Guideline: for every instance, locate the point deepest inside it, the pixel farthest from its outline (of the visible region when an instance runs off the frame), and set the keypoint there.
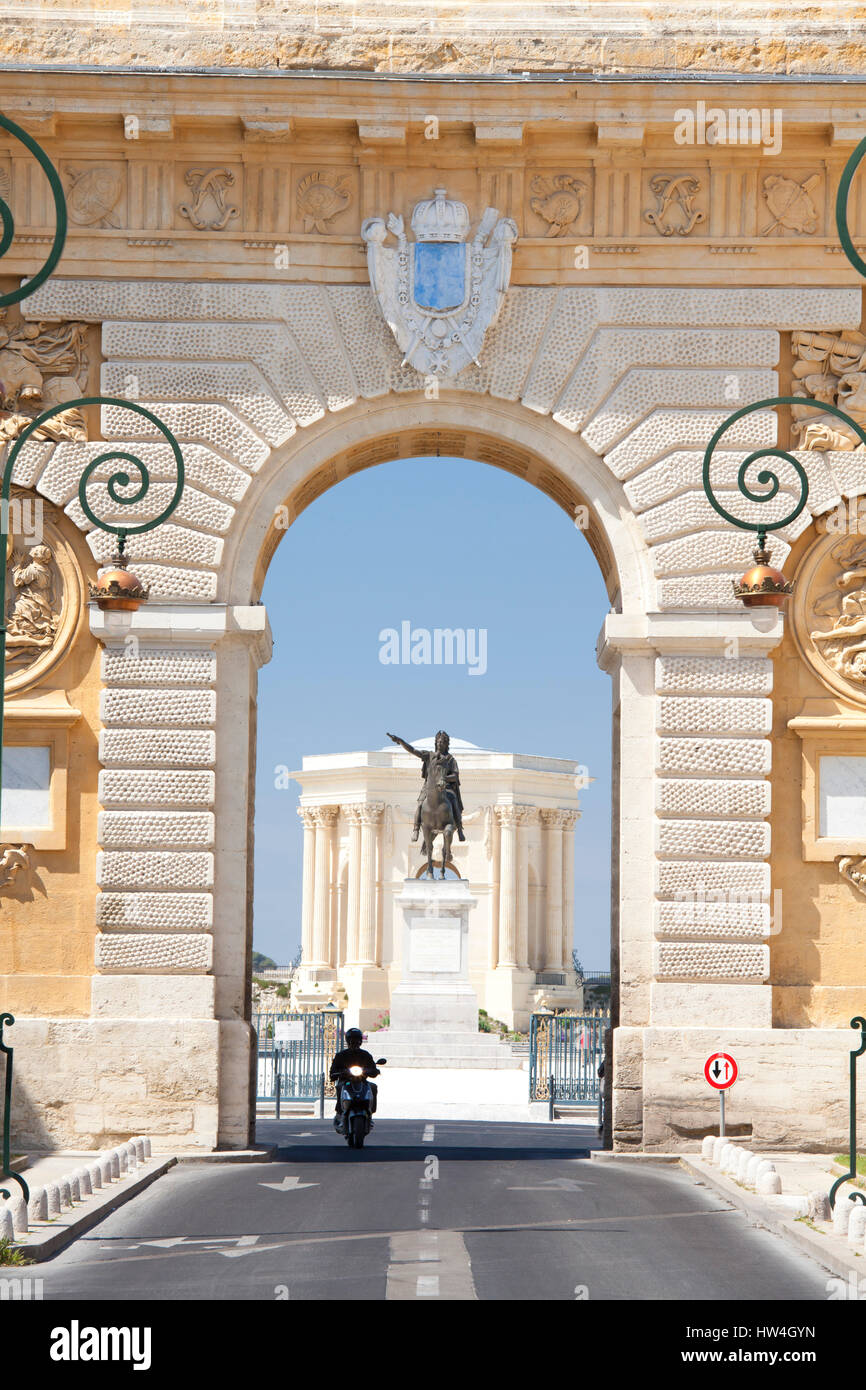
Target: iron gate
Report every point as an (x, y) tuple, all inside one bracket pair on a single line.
[(300, 1061), (569, 1048)]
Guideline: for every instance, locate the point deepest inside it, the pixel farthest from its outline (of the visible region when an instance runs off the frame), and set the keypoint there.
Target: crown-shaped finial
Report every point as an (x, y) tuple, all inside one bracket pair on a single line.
[(440, 219)]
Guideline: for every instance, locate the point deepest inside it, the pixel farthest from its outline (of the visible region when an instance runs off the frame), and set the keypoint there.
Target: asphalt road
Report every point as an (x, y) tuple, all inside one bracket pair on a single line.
[(447, 1210)]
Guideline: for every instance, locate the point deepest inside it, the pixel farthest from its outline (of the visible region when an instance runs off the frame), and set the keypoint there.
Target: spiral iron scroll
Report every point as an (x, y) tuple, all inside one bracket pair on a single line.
[(7, 220), (766, 476), (120, 479)]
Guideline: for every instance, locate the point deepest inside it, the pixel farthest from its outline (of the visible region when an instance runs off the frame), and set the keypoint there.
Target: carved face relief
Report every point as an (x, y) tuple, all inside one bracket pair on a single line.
[(829, 613)]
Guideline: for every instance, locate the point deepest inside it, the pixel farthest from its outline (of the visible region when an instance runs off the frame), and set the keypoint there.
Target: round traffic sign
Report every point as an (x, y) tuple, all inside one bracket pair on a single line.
[(720, 1070)]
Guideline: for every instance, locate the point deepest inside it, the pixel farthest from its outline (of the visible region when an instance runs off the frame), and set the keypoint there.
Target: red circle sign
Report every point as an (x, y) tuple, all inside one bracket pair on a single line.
[(720, 1070)]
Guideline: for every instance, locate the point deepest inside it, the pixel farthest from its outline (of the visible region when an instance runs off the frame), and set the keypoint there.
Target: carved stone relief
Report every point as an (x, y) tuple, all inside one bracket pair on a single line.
[(42, 365), (851, 867), (43, 591), (829, 367), (321, 197), (208, 209), (829, 613), (675, 213), (559, 201), (92, 195), (790, 204)]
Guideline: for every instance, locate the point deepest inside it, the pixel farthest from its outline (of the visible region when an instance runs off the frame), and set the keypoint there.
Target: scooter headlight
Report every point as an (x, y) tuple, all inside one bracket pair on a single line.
[(356, 1071)]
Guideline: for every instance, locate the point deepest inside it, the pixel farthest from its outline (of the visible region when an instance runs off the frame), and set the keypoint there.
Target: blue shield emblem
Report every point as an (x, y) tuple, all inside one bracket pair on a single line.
[(440, 275)]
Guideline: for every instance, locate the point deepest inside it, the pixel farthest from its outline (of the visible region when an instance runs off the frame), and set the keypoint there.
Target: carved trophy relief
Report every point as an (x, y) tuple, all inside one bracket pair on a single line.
[(829, 367), (790, 204), (558, 201), (675, 213), (320, 198), (209, 209), (42, 365), (92, 195)]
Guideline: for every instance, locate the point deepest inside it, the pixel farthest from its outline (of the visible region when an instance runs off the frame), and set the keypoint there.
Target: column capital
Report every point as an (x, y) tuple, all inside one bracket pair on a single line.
[(370, 812), (558, 817), (323, 815), (514, 815), (307, 815)]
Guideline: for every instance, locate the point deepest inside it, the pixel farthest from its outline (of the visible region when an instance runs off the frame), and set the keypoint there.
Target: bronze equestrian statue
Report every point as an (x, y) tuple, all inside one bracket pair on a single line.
[(440, 805)]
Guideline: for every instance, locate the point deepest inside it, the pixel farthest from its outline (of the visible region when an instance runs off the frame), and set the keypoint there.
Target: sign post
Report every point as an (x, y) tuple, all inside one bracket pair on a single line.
[(721, 1072)]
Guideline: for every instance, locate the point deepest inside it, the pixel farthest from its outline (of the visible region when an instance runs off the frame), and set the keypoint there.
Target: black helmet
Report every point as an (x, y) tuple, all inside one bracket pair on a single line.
[(354, 1037)]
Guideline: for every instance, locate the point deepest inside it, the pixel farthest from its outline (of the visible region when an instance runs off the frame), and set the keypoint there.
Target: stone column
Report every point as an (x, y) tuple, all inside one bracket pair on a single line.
[(309, 820), (571, 817), (554, 821), (368, 944), (325, 817), (507, 817), (353, 909), (526, 817)]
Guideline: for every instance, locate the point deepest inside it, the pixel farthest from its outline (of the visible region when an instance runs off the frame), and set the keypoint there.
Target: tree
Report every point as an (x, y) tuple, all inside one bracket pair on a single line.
[(261, 962)]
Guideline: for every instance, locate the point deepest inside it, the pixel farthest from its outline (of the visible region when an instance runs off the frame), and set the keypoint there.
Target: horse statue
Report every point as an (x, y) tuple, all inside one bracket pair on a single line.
[(440, 805), (437, 816)]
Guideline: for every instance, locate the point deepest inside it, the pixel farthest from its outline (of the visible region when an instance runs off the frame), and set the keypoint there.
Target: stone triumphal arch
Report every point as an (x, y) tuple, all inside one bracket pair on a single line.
[(216, 272)]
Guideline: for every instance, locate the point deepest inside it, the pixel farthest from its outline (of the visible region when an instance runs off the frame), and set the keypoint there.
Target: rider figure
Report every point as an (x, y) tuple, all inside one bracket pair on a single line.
[(353, 1055), (451, 774)]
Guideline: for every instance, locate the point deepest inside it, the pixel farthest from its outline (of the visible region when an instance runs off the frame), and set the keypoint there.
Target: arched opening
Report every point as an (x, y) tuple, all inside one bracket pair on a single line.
[(579, 599)]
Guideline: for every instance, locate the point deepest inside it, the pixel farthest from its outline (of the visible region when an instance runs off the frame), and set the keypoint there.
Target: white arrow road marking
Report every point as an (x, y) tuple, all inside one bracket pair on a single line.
[(244, 1245), (553, 1185), (288, 1185)]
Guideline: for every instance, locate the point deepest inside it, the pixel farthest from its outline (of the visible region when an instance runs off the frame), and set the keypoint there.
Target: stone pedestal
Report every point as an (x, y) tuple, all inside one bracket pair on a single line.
[(434, 992)]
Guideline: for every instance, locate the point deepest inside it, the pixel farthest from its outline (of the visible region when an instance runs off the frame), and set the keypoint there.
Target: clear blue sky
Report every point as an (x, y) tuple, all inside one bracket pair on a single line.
[(504, 557)]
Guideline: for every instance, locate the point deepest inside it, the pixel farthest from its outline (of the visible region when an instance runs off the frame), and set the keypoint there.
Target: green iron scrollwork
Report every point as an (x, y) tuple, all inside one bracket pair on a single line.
[(7, 1116), (766, 477), (860, 1023), (842, 208), (8, 221)]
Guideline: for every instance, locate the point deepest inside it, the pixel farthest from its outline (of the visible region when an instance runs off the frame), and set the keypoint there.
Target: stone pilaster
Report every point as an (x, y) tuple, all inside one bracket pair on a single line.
[(368, 935)]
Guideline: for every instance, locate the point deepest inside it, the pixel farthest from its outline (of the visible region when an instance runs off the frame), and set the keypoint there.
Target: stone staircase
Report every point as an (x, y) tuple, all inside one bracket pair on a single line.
[(443, 1050)]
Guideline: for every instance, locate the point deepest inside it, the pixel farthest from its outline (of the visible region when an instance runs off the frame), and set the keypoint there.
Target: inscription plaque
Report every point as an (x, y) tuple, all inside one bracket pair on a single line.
[(434, 946)]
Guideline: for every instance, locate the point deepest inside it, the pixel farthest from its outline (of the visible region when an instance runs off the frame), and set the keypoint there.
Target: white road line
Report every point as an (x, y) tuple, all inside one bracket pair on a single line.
[(427, 1136), (410, 1275)]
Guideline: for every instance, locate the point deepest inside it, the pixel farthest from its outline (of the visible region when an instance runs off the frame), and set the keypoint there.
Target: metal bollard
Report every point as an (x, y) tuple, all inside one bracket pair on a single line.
[(322, 1097), (279, 1090), (552, 1097)]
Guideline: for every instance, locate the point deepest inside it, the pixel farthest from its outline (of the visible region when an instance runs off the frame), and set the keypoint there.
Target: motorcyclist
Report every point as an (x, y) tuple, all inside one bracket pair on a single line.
[(353, 1055)]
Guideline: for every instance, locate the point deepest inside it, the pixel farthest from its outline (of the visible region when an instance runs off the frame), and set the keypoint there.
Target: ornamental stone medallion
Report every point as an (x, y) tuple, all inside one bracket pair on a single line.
[(829, 613), (43, 592)]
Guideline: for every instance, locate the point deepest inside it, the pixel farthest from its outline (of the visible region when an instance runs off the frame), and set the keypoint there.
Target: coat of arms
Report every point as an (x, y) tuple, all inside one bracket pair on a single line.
[(440, 293)]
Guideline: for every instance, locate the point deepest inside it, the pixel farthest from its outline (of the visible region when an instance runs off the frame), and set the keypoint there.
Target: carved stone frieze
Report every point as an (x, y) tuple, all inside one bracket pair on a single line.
[(16, 867)]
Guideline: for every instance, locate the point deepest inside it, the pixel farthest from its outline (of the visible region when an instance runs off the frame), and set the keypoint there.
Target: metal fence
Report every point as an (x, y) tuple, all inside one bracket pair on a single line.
[(566, 1049), (300, 1060)]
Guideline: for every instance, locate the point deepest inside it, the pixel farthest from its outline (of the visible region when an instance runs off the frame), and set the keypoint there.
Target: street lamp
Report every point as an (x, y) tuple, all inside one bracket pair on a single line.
[(115, 588), (763, 586)]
